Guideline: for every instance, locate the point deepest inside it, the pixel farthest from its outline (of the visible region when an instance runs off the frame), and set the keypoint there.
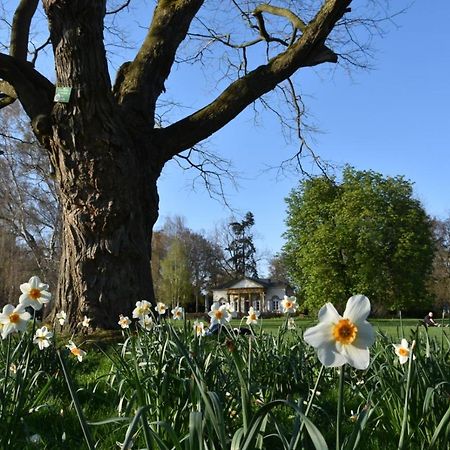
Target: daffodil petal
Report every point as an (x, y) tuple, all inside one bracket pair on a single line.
[(8, 309), (329, 314), (25, 288), (34, 282), (403, 359), (366, 335), (319, 335), (358, 358), (404, 343), (45, 296), (25, 315), (329, 357), (357, 309)]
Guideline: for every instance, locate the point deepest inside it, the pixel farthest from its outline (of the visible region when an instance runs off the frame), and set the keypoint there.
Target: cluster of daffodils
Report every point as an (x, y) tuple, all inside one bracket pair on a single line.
[(143, 313), (15, 318)]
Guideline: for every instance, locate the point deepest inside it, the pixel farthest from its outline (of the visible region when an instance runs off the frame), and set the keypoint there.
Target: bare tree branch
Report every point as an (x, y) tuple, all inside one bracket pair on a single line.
[(120, 8), (20, 33), (34, 91), (308, 50), (21, 28), (143, 79)]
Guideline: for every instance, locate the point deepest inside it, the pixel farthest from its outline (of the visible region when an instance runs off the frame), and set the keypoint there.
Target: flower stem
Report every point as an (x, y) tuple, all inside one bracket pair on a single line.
[(5, 382), (405, 407), (312, 397), (340, 407)]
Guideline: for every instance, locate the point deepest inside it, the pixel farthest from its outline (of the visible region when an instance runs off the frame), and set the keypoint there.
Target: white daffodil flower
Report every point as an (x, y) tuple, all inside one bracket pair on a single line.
[(289, 305), (177, 313), (161, 308), (62, 317), (42, 337), (85, 322), (146, 322), (252, 318), (14, 319), (124, 321), (199, 328), (76, 351), (403, 351), (142, 309), (343, 339), (34, 293), (219, 314)]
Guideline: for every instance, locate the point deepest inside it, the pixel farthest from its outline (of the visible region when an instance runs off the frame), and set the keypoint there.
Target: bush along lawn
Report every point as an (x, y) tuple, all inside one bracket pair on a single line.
[(173, 384)]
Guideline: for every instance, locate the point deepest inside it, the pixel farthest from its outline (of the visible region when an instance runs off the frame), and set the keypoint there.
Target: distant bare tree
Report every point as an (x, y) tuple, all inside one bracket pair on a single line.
[(28, 200), (440, 284)]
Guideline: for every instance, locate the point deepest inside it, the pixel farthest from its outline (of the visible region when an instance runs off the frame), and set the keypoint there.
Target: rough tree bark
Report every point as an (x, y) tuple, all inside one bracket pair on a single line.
[(105, 150)]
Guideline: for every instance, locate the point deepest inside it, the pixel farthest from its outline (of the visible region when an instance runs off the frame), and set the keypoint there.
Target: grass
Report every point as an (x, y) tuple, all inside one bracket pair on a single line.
[(164, 389)]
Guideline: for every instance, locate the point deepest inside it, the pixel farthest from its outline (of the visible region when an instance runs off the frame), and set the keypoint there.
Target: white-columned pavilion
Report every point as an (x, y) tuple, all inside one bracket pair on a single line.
[(263, 294)]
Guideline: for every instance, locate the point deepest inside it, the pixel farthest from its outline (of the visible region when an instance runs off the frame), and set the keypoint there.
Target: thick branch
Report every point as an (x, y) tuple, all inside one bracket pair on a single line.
[(308, 50), (34, 91), (21, 28), (19, 43), (142, 81)]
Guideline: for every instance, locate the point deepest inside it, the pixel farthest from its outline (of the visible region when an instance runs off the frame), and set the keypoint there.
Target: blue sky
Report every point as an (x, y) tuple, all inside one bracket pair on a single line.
[(393, 119)]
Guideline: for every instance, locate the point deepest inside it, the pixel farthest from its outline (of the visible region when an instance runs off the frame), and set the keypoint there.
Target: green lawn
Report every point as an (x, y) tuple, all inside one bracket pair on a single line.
[(391, 327)]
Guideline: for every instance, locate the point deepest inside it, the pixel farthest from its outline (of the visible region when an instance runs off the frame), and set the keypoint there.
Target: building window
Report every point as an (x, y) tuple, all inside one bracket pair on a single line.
[(257, 305), (275, 303)]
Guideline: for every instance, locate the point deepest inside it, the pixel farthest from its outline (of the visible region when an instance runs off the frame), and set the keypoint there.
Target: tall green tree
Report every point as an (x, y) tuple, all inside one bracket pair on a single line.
[(440, 281), (366, 234), (175, 284), (241, 250)]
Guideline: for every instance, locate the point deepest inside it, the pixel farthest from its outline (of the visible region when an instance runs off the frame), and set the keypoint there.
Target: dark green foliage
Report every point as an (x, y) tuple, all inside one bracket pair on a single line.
[(241, 249), (365, 235)]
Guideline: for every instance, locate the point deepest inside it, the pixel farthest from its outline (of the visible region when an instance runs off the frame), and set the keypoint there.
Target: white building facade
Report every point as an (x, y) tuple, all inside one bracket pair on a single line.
[(263, 294)]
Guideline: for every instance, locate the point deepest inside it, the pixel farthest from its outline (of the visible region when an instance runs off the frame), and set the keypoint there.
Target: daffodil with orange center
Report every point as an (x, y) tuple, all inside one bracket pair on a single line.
[(161, 308), (199, 328), (403, 351), (124, 321), (177, 313), (252, 318), (289, 305), (219, 314), (13, 319), (343, 339), (142, 309), (76, 351), (34, 293)]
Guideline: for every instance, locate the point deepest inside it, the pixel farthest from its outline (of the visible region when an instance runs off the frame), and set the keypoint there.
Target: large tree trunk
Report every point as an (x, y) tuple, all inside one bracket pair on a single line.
[(106, 176), (109, 204)]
